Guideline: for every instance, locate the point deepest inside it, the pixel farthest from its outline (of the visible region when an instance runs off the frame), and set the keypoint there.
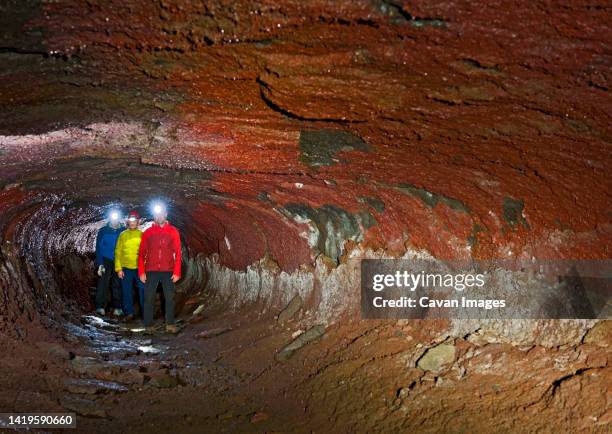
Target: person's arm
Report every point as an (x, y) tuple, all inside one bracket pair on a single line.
[(118, 251), (99, 259), (142, 253), (176, 238)]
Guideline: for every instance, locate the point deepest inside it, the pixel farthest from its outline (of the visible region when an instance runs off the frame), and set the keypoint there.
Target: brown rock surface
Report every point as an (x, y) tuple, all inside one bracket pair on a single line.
[(290, 140)]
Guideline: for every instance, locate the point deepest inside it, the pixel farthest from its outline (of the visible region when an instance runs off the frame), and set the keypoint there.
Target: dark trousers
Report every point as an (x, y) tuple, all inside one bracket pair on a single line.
[(109, 277), (130, 279), (153, 279)]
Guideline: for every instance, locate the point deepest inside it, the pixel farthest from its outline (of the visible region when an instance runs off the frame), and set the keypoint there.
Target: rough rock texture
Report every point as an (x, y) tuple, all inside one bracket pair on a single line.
[(291, 309), (292, 139), (435, 358), (331, 106), (308, 336)]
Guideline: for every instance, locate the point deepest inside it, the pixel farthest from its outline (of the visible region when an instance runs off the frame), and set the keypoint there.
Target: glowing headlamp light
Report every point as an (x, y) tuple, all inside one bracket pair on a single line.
[(114, 216), (132, 219), (159, 209)]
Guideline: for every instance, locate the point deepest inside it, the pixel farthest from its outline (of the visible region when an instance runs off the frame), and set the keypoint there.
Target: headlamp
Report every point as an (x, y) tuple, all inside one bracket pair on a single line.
[(158, 209), (114, 216)]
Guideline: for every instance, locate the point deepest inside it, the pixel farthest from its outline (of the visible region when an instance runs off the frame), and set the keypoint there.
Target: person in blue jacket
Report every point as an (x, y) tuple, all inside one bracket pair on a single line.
[(105, 261)]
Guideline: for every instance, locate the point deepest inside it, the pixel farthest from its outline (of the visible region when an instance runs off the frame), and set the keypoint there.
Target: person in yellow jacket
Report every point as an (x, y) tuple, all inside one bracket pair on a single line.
[(126, 264)]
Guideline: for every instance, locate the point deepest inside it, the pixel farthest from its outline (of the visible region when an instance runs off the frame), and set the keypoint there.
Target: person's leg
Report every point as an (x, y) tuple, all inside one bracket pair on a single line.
[(102, 287), (115, 285), (149, 297), (168, 286), (141, 292), (126, 288)]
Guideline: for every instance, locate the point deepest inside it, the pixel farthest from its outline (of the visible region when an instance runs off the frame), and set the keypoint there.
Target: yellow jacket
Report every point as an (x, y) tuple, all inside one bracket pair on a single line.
[(126, 251)]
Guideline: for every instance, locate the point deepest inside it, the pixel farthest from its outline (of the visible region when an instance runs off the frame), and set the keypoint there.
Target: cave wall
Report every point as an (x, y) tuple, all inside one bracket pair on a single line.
[(293, 139)]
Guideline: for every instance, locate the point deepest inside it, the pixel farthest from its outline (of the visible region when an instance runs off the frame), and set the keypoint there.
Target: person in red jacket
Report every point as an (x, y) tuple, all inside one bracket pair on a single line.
[(159, 260)]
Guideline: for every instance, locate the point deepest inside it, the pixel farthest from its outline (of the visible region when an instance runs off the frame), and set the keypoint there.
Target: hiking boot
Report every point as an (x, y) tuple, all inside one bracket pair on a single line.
[(101, 311), (118, 312), (171, 328), (128, 318)]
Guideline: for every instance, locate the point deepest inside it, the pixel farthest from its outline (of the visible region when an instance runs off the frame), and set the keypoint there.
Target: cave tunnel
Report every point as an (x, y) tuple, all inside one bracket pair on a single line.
[(291, 141)]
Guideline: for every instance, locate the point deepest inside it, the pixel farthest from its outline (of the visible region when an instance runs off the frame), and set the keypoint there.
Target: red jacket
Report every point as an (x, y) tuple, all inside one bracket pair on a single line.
[(160, 250)]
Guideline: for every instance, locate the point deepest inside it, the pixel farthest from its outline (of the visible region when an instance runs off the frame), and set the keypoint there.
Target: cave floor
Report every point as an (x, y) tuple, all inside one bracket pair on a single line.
[(225, 383), (360, 376)]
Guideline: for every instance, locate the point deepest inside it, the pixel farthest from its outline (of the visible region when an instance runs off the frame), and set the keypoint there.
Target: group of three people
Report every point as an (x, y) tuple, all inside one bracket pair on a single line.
[(128, 258)]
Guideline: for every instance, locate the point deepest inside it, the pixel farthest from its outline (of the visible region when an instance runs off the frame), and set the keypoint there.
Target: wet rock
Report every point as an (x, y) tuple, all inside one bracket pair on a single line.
[(116, 350), (117, 366), (437, 357), (291, 309), (87, 365), (92, 386), (213, 332), (82, 406), (308, 336), (149, 349), (162, 379), (600, 335)]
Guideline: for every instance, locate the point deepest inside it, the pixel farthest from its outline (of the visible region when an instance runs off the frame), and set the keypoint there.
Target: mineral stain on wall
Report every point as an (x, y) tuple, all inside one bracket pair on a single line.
[(320, 147), (331, 226)]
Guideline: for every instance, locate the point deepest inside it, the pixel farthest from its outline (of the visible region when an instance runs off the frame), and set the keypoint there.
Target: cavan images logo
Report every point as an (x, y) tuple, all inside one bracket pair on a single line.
[(484, 289)]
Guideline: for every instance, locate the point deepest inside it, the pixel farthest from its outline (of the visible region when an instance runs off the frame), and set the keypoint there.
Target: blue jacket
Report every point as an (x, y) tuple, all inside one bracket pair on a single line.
[(105, 243)]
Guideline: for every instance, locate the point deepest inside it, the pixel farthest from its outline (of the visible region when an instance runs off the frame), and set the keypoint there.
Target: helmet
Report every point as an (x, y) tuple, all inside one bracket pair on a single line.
[(133, 215)]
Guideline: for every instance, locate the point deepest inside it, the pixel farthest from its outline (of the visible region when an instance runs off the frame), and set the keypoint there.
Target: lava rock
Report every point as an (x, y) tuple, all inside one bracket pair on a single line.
[(131, 376), (437, 357), (92, 386), (319, 147), (87, 365), (335, 225), (213, 332), (163, 379), (309, 335), (54, 350), (291, 309), (600, 335), (198, 310)]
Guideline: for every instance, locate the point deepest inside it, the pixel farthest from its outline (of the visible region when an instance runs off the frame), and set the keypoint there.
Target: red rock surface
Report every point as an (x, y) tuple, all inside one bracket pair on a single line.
[(291, 134), (470, 102)]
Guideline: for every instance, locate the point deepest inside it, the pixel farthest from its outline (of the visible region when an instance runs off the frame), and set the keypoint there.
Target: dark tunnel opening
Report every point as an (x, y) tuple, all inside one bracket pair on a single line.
[(49, 232), (56, 243)]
